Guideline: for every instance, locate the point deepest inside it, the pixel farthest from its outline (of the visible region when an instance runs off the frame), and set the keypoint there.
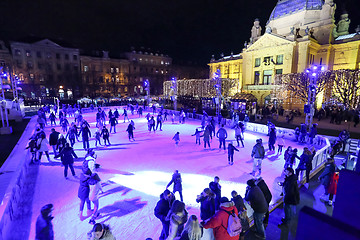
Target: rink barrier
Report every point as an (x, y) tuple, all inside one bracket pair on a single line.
[(15, 203)]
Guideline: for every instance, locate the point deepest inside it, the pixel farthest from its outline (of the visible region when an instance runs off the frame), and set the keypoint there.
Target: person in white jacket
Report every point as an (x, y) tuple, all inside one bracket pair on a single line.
[(42, 146)]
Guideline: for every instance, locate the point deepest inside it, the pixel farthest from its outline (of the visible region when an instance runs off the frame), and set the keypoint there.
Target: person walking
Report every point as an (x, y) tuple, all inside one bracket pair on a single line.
[(53, 138), (258, 154), (161, 211), (44, 227), (216, 188), (222, 135), (67, 155), (231, 151), (291, 196), (42, 146), (192, 229), (176, 180), (258, 203), (219, 222), (177, 217), (52, 118)]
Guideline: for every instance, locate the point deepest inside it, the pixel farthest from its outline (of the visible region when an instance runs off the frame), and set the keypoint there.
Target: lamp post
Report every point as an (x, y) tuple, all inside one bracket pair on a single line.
[(174, 88), (147, 89), (217, 80), (309, 108)]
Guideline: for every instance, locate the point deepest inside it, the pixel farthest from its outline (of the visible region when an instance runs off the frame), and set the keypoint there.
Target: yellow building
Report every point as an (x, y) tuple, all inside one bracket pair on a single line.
[(299, 33)]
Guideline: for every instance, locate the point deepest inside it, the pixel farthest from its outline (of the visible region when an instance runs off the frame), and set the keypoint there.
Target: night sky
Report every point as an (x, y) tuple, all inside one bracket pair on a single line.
[(189, 31)]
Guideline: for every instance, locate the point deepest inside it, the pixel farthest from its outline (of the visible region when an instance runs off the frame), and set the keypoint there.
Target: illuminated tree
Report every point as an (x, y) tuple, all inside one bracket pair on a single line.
[(346, 87)]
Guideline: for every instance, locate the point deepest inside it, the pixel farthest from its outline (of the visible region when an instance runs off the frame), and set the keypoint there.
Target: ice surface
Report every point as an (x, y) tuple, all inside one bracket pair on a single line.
[(135, 173)]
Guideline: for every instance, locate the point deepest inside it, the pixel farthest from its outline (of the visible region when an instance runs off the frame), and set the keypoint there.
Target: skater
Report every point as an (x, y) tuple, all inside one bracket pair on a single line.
[(313, 132), (216, 188), (291, 196), (176, 138), (258, 203), (130, 129), (304, 159), (86, 134), (140, 111), (67, 155), (177, 217), (60, 143), (95, 189), (44, 227), (148, 117), (158, 122), (53, 138), (42, 146), (116, 114), (239, 135), (197, 135), (292, 159), (151, 124), (281, 144), (97, 138), (32, 147), (222, 135), (206, 136), (165, 115), (161, 211), (258, 154), (287, 156), (101, 231), (231, 150), (113, 122), (72, 135), (83, 192), (219, 222), (297, 134), (272, 139), (64, 124), (173, 118), (52, 118), (106, 135), (176, 180), (125, 114)]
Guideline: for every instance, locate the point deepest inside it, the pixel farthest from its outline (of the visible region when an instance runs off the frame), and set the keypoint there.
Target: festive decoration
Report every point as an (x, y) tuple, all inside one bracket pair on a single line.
[(347, 87)]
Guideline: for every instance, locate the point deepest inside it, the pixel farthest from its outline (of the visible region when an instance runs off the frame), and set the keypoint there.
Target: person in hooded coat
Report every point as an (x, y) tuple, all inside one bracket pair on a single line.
[(177, 217), (161, 211), (176, 180), (84, 190), (219, 222), (67, 155), (44, 227)]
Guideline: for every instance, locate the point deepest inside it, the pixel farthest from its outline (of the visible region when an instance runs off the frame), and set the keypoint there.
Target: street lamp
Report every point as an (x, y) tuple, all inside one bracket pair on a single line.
[(217, 80), (174, 88), (309, 108)]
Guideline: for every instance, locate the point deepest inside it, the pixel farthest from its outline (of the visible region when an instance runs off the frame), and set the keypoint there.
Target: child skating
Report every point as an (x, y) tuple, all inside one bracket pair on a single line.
[(231, 151), (176, 138), (197, 135)]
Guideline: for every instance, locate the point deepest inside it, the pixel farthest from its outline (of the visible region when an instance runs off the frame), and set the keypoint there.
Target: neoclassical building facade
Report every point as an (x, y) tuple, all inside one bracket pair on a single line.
[(298, 34)]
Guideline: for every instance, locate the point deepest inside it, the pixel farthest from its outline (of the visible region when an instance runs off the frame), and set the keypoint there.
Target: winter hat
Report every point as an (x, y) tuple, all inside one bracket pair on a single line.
[(251, 182), (45, 210), (224, 200)]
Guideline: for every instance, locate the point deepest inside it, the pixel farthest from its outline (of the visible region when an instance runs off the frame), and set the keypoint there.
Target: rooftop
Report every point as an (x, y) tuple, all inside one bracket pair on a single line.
[(287, 7)]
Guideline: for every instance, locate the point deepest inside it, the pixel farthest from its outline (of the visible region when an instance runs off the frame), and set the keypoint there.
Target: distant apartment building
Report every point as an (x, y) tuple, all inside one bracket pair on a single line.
[(104, 76), (46, 69), (5, 57), (154, 67)]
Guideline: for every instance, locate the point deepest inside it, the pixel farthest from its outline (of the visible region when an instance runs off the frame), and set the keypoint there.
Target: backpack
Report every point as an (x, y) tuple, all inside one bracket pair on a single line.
[(234, 224)]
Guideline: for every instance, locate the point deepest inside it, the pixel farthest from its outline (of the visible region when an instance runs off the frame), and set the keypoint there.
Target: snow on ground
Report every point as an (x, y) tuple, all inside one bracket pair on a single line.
[(135, 173)]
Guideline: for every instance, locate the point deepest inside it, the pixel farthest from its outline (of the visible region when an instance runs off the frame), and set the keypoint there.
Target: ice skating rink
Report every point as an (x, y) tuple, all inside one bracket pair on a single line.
[(135, 173)]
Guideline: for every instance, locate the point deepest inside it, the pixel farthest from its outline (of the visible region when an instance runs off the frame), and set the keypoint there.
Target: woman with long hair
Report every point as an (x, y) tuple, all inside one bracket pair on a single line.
[(101, 231), (192, 229)]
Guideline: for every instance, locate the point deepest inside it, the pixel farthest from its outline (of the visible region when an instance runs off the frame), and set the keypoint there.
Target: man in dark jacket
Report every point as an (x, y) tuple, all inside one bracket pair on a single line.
[(222, 135), (44, 227), (258, 154), (291, 196), (176, 179), (257, 200), (267, 194), (86, 134), (162, 209), (67, 155), (216, 188), (53, 138)]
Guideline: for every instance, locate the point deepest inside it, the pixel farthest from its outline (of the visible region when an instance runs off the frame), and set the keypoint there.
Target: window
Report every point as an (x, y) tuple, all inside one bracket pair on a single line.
[(58, 56), (17, 52), (28, 53), (279, 59), (74, 57), (278, 71), (267, 77), (257, 62), (311, 59), (58, 66), (267, 61), (256, 78), (66, 56), (30, 65), (86, 68), (38, 54)]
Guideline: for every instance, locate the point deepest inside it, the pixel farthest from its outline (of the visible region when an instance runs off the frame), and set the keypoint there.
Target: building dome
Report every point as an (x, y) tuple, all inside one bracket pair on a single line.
[(287, 7)]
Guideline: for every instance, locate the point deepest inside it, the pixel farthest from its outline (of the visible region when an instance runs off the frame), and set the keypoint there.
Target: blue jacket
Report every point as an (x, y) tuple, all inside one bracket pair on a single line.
[(67, 155), (221, 133), (207, 207), (272, 137)]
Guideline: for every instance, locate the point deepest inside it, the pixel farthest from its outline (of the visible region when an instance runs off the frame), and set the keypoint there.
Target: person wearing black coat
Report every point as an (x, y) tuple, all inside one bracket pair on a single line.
[(67, 155), (85, 134), (272, 139), (207, 204), (161, 211), (325, 177), (53, 138), (268, 196), (257, 200), (176, 179), (216, 188), (44, 227), (291, 196)]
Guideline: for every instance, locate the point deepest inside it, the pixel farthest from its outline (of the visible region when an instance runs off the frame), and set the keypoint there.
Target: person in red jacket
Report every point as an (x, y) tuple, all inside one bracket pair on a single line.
[(219, 222), (333, 187)]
